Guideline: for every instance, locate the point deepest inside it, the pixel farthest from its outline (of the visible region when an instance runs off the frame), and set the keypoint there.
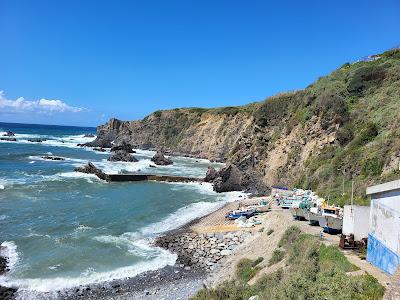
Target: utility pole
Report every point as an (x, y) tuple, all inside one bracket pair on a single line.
[(352, 193)]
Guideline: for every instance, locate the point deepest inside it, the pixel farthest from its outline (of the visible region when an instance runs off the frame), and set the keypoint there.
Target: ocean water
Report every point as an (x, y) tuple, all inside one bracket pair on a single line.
[(62, 229)]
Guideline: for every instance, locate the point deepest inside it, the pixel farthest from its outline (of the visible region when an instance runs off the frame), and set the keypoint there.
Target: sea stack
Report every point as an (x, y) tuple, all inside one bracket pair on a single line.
[(161, 160), (122, 155)]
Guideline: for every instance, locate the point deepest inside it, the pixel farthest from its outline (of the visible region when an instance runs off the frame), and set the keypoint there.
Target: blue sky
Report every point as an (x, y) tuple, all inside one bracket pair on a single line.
[(82, 62)]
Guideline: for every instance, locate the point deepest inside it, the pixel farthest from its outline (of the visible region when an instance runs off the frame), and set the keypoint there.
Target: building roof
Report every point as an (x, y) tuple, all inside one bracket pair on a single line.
[(384, 187)]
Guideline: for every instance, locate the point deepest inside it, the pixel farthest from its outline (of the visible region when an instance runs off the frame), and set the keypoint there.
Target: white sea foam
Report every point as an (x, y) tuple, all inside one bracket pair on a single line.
[(9, 250), (118, 167), (90, 276), (66, 159), (69, 141), (3, 217)]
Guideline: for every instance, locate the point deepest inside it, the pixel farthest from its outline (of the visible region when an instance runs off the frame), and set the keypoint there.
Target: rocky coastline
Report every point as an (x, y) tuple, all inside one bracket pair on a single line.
[(6, 293)]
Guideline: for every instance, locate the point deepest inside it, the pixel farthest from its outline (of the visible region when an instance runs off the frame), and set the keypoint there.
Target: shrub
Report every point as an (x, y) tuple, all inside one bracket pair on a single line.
[(276, 257), (269, 232), (289, 237), (246, 269), (366, 77)]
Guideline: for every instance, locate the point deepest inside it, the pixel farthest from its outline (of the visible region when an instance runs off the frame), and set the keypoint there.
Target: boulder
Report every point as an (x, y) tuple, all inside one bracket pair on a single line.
[(229, 179), (160, 159), (211, 174), (9, 133), (92, 169), (98, 142), (124, 146), (99, 149), (122, 155), (49, 157)]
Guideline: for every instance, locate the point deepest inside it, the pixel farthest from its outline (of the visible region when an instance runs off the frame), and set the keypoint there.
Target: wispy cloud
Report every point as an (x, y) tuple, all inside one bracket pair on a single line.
[(43, 106)]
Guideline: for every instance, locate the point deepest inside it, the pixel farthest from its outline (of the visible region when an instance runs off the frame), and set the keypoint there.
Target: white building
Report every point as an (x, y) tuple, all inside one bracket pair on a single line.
[(356, 221), (384, 224)]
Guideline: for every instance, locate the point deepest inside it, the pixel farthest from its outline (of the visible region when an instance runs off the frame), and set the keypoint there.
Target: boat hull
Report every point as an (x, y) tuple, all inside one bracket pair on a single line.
[(312, 218), (330, 224), (298, 213)]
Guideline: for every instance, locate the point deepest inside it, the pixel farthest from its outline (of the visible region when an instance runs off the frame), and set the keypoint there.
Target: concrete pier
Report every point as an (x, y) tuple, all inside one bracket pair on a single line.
[(144, 177)]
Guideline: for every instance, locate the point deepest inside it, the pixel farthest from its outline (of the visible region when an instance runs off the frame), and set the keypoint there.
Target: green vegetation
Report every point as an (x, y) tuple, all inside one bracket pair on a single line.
[(276, 257), (314, 271), (269, 232), (356, 106), (247, 268)]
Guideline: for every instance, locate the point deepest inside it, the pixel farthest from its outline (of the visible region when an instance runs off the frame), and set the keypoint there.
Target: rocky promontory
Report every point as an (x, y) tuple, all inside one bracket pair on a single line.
[(90, 168)]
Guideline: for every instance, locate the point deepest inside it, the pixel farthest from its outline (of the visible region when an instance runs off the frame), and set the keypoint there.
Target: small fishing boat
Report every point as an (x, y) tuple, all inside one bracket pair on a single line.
[(331, 219), (287, 202), (237, 214), (312, 215)]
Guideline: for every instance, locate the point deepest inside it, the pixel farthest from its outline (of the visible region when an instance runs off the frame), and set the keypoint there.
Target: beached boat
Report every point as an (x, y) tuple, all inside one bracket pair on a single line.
[(287, 202), (312, 216), (331, 219), (237, 214), (299, 209)]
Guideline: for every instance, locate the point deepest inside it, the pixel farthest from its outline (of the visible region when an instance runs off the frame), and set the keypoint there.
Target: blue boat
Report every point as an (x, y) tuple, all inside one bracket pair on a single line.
[(237, 215)]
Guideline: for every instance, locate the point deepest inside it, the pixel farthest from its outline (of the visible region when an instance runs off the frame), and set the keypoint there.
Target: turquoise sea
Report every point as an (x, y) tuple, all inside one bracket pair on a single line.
[(62, 229)]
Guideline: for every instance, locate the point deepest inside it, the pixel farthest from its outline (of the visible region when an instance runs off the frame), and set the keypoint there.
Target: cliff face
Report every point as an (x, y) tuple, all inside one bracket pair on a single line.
[(187, 131), (344, 125)]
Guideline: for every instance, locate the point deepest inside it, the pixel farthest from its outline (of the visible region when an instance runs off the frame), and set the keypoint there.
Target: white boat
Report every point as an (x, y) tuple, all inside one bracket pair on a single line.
[(331, 219), (312, 216)]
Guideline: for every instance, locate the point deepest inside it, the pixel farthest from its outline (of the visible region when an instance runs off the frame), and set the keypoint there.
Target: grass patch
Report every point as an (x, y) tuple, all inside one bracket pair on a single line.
[(247, 268), (269, 232), (331, 257), (276, 257)]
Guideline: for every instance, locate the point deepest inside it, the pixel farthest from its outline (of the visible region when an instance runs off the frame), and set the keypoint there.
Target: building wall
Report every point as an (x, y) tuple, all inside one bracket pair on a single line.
[(356, 221), (384, 234)]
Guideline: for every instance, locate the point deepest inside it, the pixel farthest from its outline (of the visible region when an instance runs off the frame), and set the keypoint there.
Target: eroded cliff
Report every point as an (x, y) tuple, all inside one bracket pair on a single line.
[(342, 126)]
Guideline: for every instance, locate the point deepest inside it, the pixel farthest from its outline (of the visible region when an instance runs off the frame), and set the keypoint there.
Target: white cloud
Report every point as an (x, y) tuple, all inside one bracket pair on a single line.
[(46, 106)]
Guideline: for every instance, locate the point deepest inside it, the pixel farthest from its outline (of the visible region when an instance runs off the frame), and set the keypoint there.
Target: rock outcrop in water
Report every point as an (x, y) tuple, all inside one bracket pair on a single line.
[(122, 155), (9, 133), (161, 160), (5, 292), (211, 174), (124, 146), (8, 139), (49, 157), (92, 169), (348, 120)]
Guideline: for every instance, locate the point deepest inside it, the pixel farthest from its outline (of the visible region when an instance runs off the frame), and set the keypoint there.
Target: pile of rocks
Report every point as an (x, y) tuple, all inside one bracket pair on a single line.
[(202, 250)]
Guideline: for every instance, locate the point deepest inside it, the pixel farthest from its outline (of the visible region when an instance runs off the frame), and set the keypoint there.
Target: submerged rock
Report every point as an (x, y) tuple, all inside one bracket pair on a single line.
[(49, 157), (90, 135), (211, 174), (8, 139), (9, 133), (124, 146), (161, 160), (122, 155), (92, 169), (36, 140)]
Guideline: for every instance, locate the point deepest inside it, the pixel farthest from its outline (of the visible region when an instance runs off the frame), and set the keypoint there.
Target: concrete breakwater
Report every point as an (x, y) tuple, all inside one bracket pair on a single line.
[(203, 250), (143, 177)]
